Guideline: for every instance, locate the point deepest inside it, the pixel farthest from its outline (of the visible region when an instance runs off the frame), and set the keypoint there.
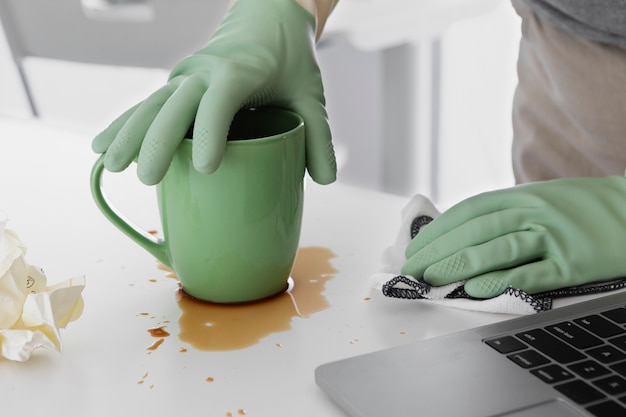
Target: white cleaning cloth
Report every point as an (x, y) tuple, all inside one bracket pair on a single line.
[(419, 212)]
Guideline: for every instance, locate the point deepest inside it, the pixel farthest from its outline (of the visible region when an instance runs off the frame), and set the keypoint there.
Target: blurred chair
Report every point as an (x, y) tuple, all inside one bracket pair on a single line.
[(129, 33)]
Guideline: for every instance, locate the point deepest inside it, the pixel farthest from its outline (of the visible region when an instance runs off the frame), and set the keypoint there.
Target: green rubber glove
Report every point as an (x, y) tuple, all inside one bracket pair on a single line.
[(534, 237), (263, 54)]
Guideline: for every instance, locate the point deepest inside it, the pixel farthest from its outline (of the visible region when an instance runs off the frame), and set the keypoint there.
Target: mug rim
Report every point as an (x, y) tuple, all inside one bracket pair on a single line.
[(277, 136)]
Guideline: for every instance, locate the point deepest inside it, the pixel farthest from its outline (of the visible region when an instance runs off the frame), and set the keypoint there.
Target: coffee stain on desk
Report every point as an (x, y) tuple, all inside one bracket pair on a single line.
[(158, 331), (223, 327)]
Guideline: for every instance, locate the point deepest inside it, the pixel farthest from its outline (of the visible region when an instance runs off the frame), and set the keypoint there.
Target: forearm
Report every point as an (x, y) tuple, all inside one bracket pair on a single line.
[(321, 9)]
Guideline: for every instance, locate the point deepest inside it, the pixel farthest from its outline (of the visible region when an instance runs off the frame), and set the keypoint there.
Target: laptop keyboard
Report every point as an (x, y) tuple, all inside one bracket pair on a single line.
[(583, 358)]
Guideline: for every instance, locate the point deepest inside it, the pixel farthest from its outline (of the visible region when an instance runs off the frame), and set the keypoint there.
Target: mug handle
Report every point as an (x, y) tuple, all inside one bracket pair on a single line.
[(155, 246)]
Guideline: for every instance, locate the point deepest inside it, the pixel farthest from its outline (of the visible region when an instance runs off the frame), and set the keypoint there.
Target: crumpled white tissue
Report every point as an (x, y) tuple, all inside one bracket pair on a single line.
[(31, 312)]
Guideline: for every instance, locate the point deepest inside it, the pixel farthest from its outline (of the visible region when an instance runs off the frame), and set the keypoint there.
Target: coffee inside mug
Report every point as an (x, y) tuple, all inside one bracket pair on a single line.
[(258, 123)]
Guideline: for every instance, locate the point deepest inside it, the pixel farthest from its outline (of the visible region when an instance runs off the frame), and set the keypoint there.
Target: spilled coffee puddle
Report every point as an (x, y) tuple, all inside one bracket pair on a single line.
[(222, 327)]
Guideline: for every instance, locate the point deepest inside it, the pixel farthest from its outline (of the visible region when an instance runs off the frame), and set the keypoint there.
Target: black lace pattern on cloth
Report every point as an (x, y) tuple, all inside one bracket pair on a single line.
[(418, 223), (408, 288)]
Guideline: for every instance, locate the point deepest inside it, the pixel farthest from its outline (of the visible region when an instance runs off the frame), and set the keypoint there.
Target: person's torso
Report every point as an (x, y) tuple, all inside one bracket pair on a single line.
[(601, 21)]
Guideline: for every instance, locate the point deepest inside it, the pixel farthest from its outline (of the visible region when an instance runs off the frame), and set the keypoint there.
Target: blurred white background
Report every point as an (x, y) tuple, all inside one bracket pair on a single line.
[(476, 76), (477, 82)]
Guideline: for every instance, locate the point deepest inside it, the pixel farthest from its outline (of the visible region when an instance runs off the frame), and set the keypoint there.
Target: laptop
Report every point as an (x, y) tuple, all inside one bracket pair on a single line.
[(570, 361)]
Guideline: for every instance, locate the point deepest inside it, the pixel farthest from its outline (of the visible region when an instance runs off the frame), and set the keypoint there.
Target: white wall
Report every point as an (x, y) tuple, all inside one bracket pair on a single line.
[(353, 99), (478, 78), (73, 95)]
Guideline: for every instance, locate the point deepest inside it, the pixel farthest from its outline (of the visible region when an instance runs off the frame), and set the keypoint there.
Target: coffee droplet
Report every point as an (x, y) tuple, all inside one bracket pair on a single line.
[(158, 332), (156, 345), (142, 380)]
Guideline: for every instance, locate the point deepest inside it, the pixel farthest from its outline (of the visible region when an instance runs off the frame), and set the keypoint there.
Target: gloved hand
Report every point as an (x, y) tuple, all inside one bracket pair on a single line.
[(263, 54), (534, 237)]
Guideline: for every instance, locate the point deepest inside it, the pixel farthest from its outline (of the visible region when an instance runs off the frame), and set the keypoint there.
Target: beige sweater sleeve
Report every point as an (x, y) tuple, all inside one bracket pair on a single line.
[(321, 9)]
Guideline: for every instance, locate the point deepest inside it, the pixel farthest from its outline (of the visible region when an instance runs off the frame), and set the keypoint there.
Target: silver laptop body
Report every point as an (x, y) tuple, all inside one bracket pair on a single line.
[(461, 375)]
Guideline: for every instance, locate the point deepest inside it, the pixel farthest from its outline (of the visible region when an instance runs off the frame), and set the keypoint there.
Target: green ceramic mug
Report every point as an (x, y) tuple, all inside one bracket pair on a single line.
[(230, 236)]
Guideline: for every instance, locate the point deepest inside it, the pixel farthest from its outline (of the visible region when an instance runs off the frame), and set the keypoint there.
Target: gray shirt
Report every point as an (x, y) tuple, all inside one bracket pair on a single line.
[(602, 21)]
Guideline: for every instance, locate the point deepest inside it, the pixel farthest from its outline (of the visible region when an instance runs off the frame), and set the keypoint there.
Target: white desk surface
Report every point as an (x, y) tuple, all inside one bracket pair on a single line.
[(105, 368)]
